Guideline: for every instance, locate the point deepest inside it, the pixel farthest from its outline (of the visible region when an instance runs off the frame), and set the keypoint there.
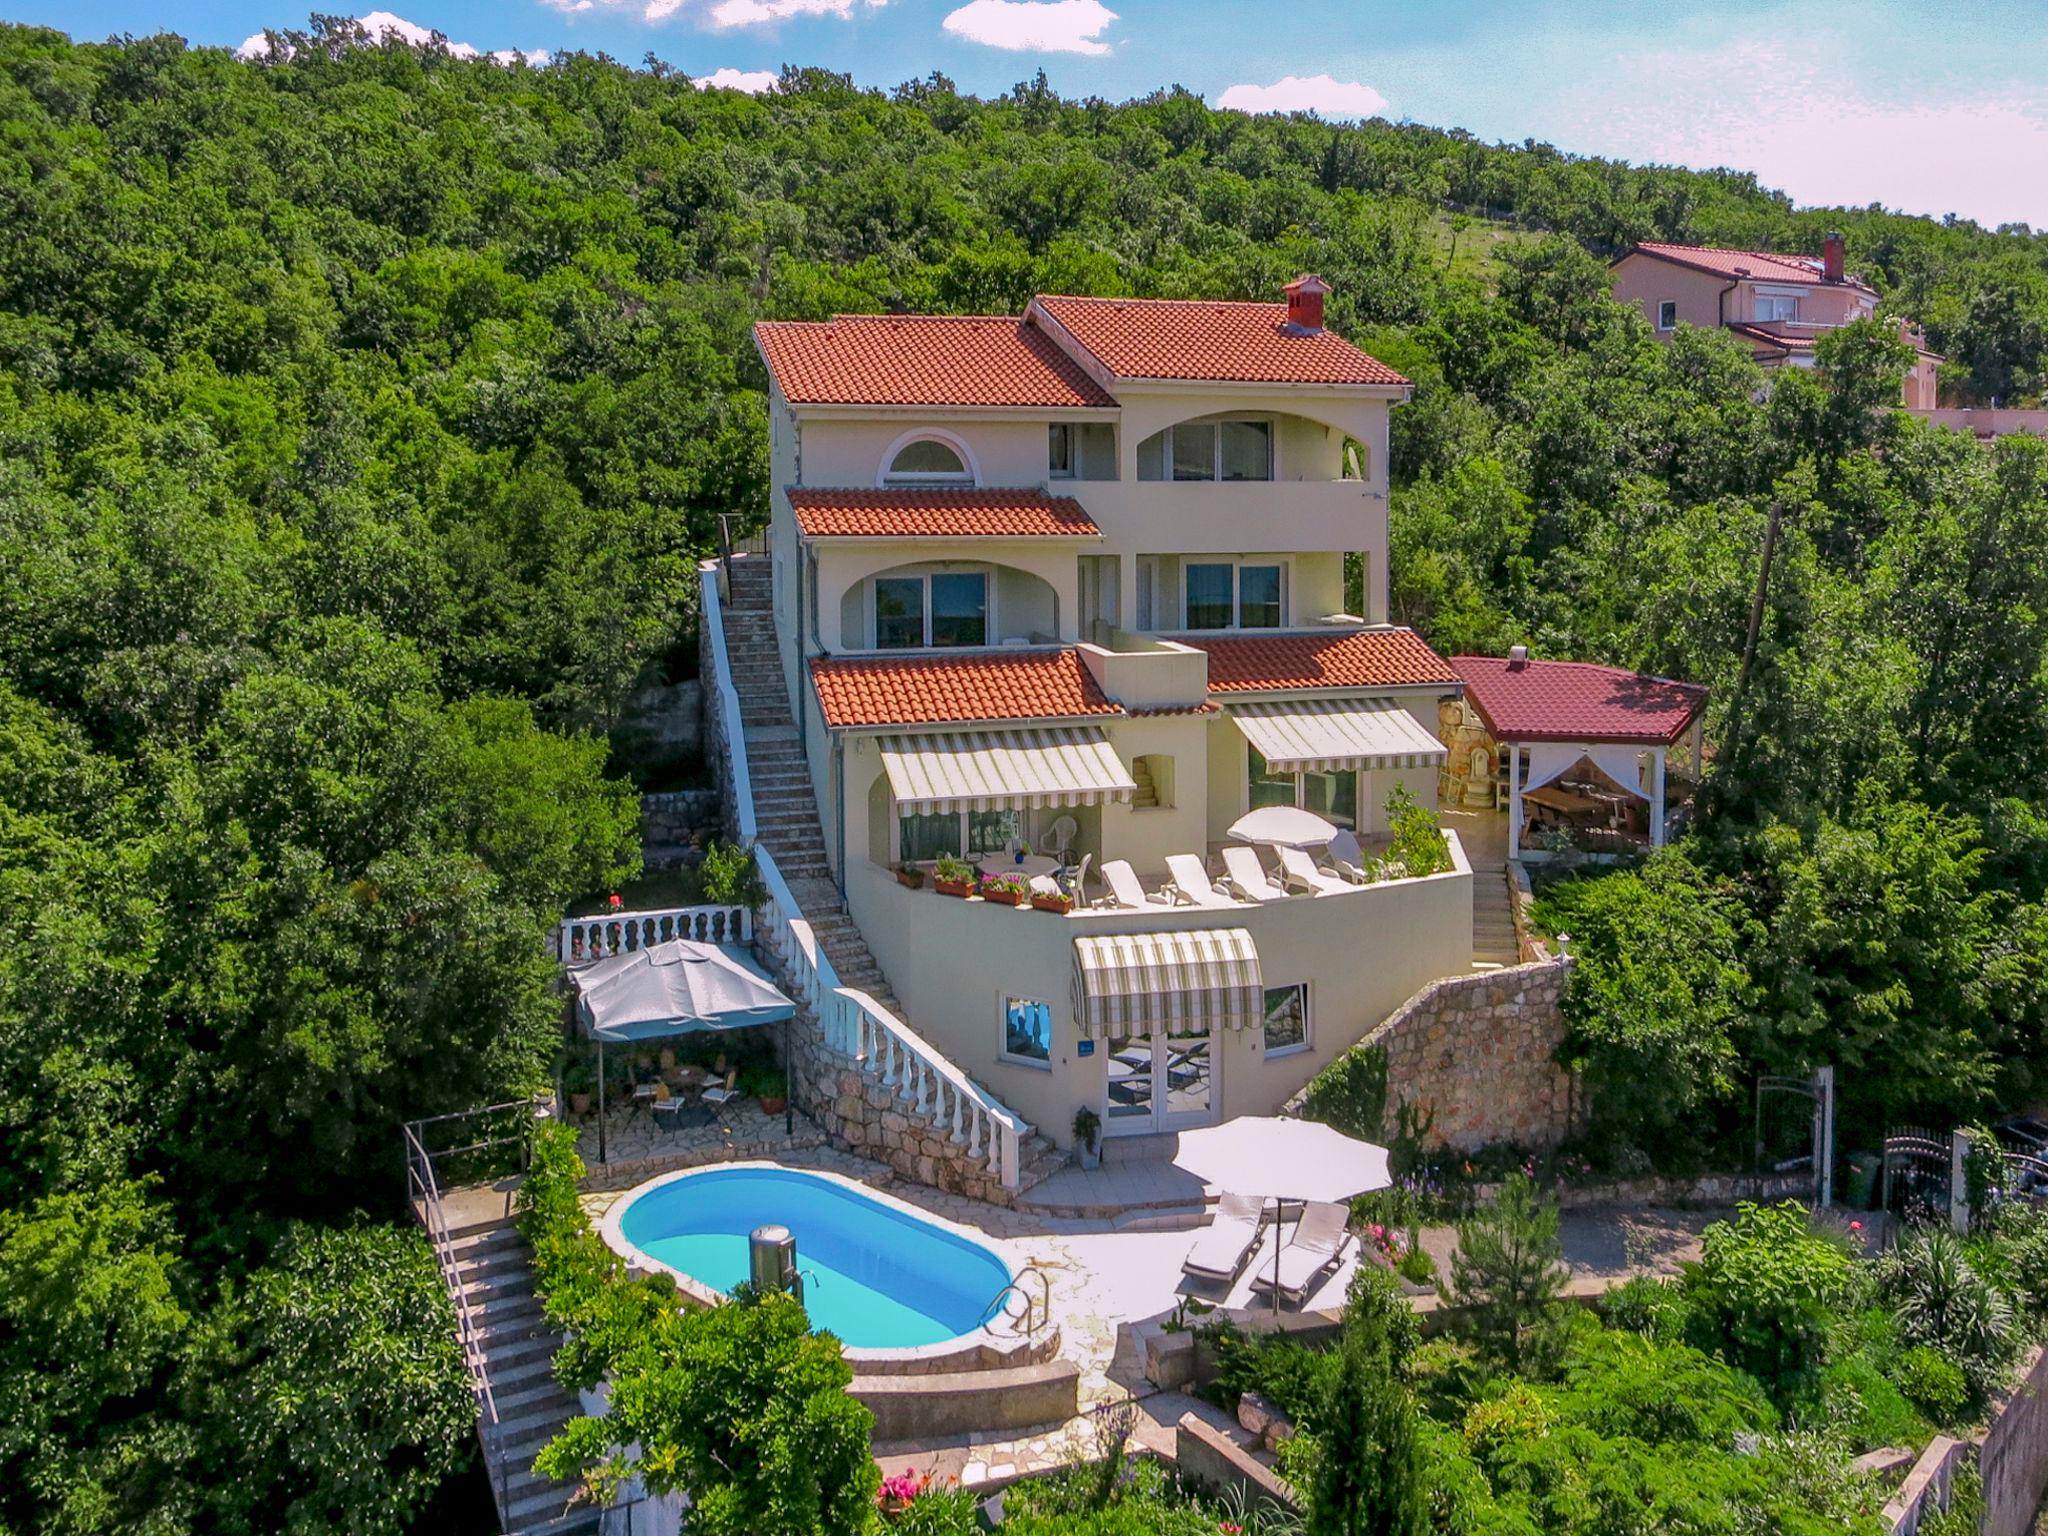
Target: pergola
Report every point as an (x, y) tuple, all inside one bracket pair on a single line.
[(1551, 715)]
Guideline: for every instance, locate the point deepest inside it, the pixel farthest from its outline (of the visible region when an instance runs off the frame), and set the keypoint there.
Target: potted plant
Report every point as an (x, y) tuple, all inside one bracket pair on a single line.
[(1088, 1136), (578, 1081), (910, 875), (1009, 890), (952, 877), (771, 1087), (1052, 901)]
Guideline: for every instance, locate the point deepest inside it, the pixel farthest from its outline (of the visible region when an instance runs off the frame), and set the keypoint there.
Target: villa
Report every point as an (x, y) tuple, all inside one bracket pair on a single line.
[(1063, 596), (1780, 304)]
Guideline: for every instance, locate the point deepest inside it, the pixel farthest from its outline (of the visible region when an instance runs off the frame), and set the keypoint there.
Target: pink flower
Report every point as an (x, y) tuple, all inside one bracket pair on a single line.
[(1855, 1226), (614, 901)]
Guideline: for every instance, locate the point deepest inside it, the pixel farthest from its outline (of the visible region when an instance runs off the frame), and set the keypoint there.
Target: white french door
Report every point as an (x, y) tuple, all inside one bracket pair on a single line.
[(1160, 1083)]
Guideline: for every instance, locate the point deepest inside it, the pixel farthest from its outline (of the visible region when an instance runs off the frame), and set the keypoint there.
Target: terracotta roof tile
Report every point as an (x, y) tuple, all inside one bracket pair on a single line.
[(1362, 658), (944, 690), (938, 514), (1577, 701), (1205, 339), (1766, 266), (969, 360)]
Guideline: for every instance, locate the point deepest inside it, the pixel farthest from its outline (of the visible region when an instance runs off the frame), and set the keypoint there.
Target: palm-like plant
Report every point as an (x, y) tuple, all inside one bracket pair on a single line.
[(1939, 1300)]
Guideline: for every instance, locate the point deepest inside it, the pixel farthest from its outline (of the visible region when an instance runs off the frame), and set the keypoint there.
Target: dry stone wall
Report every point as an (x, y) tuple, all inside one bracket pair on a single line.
[(1479, 1052)]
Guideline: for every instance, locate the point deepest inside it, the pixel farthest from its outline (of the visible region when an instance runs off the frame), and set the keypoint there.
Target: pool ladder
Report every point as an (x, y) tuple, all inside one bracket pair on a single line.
[(1038, 1307)]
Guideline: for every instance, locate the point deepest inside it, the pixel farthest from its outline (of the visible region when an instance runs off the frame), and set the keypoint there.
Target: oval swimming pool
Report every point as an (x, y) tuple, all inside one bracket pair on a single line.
[(878, 1276)]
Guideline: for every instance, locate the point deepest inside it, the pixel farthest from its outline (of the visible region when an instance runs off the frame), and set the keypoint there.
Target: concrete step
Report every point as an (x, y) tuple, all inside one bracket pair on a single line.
[(536, 1505), (509, 1349)]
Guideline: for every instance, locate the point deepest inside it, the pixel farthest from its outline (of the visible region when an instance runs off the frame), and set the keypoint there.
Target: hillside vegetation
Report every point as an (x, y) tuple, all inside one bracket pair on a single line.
[(362, 412)]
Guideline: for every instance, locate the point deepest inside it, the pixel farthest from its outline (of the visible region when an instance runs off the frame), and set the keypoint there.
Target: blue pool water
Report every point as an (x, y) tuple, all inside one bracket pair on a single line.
[(875, 1276)]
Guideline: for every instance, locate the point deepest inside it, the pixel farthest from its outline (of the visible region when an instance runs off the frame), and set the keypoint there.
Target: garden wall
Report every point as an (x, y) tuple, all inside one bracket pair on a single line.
[(1479, 1051), (2014, 1458)]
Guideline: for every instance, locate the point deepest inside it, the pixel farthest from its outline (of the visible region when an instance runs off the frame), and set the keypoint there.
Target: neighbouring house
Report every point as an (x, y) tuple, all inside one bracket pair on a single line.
[(1598, 759), (1779, 304), (1099, 579)]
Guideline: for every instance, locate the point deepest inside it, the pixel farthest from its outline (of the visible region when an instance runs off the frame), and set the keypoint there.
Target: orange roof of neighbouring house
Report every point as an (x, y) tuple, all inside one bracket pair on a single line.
[(1577, 701), (938, 514), (947, 690), (1210, 340), (962, 360), (1765, 266), (1361, 658)]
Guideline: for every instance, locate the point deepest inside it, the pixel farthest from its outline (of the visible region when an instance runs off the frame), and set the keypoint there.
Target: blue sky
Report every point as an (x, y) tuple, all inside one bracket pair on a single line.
[(1930, 109)]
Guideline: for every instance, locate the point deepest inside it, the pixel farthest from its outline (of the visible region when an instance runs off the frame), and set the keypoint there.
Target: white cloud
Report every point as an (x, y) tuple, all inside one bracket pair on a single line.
[(757, 13), (1034, 26), (1321, 94), (383, 26), (752, 81)]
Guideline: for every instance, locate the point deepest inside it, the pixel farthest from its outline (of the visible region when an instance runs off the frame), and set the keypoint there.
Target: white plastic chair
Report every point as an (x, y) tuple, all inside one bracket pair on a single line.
[(1299, 870), (1346, 857), (1124, 889), (1247, 876), (1192, 883), (1059, 837)]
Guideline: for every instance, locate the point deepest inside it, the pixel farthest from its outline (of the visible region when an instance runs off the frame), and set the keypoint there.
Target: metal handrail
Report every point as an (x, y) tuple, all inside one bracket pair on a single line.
[(426, 1189), (1012, 1286)]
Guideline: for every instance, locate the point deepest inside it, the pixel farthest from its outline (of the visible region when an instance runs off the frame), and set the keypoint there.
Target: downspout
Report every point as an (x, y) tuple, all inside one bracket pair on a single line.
[(839, 814), (804, 574)]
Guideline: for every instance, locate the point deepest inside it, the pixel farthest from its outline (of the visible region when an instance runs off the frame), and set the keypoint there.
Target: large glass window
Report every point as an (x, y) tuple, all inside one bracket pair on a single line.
[(1777, 306), (1258, 597), (990, 832), (1286, 1019), (1247, 450), (899, 612), (960, 609), (1269, 786), (926, 837), (928, 462), (1332, 796), (1209, 596), (1027, 1031), (1194, 451)]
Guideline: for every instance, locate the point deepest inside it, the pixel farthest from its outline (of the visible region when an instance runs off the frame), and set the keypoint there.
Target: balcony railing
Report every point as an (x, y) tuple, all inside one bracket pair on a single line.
[(580, 939)]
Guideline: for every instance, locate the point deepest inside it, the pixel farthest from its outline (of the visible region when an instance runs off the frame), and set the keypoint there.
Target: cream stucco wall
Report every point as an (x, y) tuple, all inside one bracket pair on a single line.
[(953, 963), (1033, 591)]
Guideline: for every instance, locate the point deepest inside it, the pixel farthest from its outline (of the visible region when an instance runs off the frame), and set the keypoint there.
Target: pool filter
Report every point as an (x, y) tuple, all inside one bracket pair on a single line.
[(771, 1256)]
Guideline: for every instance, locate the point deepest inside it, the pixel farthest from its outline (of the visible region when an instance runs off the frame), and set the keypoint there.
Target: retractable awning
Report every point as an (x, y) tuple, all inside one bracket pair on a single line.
[(1003, 770), (1176, 983), (1321, 735)]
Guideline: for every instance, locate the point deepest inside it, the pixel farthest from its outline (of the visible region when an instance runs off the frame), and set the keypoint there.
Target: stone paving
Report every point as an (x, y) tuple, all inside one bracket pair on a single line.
[(637, 1149)]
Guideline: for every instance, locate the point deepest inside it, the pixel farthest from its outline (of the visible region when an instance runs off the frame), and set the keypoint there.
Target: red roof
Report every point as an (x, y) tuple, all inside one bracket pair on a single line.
[(1577, 701), (939, 514), (1764, 266), (1770, 338), (970, 360), (945, 690), (1209, 339), (1363, 658)]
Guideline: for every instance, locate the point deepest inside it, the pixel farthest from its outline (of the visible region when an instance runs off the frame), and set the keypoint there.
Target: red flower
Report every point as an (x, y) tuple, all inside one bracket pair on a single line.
[(614, 901)]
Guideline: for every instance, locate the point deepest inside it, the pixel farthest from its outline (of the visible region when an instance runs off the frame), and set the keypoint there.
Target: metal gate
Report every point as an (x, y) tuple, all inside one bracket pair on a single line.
[(1918, 1167), (1795, 1130)]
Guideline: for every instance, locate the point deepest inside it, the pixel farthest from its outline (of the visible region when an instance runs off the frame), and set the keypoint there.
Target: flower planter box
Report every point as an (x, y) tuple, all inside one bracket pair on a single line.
[(953, 887), (771, 1105), (1059, 904), (1002, 897), (910, 876)]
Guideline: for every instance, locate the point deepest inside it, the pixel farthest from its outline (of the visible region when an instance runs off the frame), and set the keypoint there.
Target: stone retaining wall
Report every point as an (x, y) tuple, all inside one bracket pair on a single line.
[(674, 819), (1479, 1051)]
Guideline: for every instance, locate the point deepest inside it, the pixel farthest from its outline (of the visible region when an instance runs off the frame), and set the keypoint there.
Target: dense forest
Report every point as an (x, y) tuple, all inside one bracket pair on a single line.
[(363, 409)]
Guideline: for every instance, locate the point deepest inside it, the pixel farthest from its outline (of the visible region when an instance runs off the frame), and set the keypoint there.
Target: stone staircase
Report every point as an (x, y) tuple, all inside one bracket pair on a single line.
[(1493, 922), (786, 810), (495, 1273), (1146, 797)]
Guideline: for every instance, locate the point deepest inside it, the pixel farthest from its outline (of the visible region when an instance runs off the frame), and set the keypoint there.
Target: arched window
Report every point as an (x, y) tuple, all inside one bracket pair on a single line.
[(928, 461)]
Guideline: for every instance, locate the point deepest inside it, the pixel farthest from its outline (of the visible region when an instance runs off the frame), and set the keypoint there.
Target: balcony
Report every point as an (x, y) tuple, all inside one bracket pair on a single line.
[(1194, 517)]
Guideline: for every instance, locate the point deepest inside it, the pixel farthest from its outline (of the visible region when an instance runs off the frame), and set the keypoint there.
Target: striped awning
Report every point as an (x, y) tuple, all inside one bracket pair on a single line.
[(1175, 983), (1003, 770), (1319, 735)]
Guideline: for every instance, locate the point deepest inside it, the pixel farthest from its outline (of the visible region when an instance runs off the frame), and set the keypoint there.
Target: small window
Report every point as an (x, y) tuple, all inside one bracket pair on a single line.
[(1258, 597), (899, 612), (1777, 306), (1194, 451), (1152, 772), (1152, 456), (1269, 786), (1247, 450), (928, 462), (1061, 451), (1027, 1031), (926, 837), (1287, 1019), (1667, 314), (960, 609), (1209, 596)]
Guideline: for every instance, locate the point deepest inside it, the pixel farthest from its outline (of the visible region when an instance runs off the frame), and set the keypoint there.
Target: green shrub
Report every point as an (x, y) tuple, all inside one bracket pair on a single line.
[(938, 1512), (2020, 1241), (1646, 1305), (1418, 844), (1762, 1293), (1507, 1273), (730, 878), (1625, 1386), (1283, 1372), (1934, 1384), (1350, 1094), (1868, 1406), (1939, 1301)]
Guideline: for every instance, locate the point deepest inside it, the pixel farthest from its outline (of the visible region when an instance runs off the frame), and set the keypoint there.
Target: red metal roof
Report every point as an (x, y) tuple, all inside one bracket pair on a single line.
[(1208, 339), (1577, 701), (1764, 266), (938, 514), (946, 690), (1365, 658), (966, 360)]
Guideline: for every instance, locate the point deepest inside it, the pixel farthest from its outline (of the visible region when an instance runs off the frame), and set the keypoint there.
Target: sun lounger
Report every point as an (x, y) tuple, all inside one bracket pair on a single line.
[(1124, 890), (1316, 1248), (1221, 1249), (1345, 857), (1300, 872), (1248, 877), (1192, 884)]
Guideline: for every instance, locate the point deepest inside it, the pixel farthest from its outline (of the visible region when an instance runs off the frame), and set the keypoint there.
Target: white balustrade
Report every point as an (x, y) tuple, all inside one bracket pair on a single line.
[(615, 933), (712, 616)]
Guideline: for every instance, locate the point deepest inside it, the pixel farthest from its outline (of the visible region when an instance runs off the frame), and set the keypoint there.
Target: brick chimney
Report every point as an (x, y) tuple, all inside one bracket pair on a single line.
[(1305, 302), (1831, 257)]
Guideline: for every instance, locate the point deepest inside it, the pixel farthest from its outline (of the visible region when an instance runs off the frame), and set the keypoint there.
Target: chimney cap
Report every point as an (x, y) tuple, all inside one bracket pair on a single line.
[(1309, 282), (1518, 656)]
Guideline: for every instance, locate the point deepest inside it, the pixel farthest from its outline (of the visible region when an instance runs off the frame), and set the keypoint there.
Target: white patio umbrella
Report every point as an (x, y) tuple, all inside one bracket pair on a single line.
[(1278, 1158), (1283, 826)]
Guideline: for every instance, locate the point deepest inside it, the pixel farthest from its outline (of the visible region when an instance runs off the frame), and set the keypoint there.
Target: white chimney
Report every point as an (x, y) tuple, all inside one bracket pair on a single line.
[(1518, 656)]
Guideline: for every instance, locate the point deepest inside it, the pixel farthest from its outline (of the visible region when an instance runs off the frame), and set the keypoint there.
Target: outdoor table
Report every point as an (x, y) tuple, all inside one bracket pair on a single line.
[(1006, 864)]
